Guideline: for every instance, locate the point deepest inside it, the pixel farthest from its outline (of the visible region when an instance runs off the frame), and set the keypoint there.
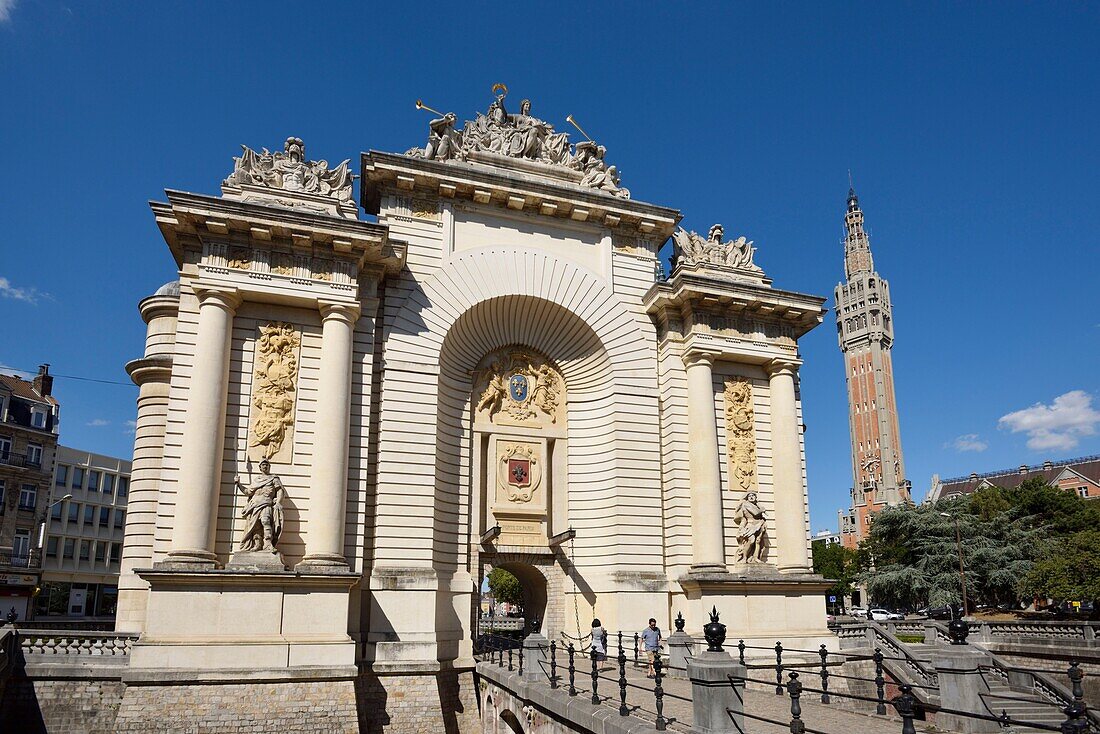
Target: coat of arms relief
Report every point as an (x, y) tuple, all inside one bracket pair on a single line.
[(519, 388), (740, 434), (274, 391)]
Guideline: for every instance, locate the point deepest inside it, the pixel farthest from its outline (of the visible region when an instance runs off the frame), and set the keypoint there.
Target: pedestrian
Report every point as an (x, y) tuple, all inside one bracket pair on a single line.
[(599, 640), (651, 636)]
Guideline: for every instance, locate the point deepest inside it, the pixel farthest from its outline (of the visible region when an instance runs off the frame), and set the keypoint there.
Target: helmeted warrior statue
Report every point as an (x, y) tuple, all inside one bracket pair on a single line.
[(264, 511)]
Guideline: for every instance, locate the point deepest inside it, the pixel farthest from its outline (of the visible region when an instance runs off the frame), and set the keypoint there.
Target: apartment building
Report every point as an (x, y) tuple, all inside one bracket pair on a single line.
[(29, 418), (83, 538)]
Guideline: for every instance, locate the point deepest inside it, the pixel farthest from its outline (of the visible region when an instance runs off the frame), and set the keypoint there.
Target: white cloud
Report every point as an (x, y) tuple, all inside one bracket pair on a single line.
[(131, 427), (1058, 426), (7, 290), (967, 442), (6, 6), (98, 422)]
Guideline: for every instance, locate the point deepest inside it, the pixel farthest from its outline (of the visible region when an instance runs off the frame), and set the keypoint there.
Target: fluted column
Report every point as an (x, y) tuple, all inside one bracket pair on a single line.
[(792, 534), (204, 432), (704, 465), (329, 476)]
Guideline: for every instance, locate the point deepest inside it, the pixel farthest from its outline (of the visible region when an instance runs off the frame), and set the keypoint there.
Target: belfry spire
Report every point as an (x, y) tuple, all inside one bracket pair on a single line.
[(865, 331), (857, 245)]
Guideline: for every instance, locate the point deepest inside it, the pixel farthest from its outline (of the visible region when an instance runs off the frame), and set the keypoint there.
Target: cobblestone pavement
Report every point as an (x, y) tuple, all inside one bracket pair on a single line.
[(759, 701)]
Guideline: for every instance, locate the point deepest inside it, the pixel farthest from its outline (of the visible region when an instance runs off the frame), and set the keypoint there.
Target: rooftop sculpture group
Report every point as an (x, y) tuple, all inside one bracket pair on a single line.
[(290, 171), (691, 249), (518, 136)]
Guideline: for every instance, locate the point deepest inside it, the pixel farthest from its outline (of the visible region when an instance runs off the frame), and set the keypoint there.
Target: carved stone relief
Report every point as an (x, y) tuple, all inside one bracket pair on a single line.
[(740, 434), (519, 388), (274, 391), (239, 258), (519, 472)]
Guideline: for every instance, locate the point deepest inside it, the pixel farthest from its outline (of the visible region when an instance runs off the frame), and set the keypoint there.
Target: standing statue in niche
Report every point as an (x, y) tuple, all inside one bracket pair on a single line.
[(751, 529), (264, 511)]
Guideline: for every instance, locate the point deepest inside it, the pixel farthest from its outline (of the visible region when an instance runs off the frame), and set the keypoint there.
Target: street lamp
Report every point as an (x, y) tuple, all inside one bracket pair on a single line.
[(42, 526), (962, 567)]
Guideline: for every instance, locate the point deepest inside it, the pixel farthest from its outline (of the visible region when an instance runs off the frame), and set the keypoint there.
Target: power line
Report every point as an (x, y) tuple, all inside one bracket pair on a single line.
[(71, 377)]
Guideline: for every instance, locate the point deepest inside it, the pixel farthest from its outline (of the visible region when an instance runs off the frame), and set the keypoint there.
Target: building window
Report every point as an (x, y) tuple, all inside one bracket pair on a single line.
[(1083, 491), (5, 448), (104, 516), (108, 483), (34, 454), (70, 544), (123, 486), (51, 547), (28, 497), (2, 503), (21, 548), (38, 418), (78, 477), (55, 511), (62, 475), (116, 552), (74, 512), (100, 552), (120, 518), (93, 480), (85, 549), (89, 514)]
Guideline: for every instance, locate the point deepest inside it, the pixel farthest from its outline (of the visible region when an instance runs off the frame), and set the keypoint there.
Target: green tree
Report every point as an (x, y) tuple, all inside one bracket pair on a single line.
[(1067, 569), (913, 557), (836, 562), (505, 587)]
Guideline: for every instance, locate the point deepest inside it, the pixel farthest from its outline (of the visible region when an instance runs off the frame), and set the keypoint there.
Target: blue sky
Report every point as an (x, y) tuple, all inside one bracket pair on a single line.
[(970, 130)]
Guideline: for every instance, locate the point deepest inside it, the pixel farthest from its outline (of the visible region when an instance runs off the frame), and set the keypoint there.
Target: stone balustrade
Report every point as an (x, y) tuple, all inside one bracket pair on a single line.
[(102, 644)]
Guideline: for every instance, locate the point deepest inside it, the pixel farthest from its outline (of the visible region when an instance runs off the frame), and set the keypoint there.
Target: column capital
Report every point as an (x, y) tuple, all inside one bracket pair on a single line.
[(339, 310), (697, 356), (226, 298), (782, 367)]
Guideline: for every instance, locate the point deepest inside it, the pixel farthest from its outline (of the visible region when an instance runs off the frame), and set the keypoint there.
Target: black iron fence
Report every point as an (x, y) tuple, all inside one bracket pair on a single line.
[(795, 673)]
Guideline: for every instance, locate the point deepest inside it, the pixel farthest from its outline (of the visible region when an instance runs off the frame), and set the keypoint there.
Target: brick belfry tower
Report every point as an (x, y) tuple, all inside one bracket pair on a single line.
[(865, 329)]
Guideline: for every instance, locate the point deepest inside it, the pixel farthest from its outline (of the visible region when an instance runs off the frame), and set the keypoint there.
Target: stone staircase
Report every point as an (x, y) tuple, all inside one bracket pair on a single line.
[(1023, 706)]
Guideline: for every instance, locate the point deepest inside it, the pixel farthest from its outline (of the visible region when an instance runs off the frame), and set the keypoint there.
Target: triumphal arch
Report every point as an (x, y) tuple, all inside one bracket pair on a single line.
[(343, 423)]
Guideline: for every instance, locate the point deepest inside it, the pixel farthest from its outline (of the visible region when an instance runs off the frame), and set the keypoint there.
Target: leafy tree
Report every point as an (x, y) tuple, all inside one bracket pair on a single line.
[(505, 587), (1067, 569), (916, 558), (836, 562)]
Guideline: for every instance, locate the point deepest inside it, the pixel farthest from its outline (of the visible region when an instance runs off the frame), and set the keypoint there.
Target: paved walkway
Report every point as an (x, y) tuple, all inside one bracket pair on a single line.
[(818, 717)]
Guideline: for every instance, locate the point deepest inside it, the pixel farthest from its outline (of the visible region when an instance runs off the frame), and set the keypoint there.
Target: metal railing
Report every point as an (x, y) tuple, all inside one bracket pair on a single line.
[(10, 458), (11, 559), (605, 678)]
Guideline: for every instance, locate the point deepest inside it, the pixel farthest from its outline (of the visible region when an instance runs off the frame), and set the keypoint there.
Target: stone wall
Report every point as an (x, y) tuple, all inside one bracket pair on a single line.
[(432, 703), (74, 706), (326, 707), (93, 700)]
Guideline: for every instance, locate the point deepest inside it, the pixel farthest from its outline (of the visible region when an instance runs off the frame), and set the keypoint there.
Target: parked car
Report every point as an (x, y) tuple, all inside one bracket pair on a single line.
[(944, 613), (895, 617), (878, 615)]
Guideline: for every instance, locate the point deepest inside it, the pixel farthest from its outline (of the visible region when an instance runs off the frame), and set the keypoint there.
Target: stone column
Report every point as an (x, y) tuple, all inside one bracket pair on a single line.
[(204, 432), (792, 534), (152, 373), (327, 501), (704, 465)]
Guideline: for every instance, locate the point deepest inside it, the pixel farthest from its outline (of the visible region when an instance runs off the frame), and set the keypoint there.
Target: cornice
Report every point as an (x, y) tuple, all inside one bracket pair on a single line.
[(202, 217), (519, 187)]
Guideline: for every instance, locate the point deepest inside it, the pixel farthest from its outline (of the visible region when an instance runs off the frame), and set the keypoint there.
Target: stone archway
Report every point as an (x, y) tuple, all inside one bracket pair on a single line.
[(535, 585)]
